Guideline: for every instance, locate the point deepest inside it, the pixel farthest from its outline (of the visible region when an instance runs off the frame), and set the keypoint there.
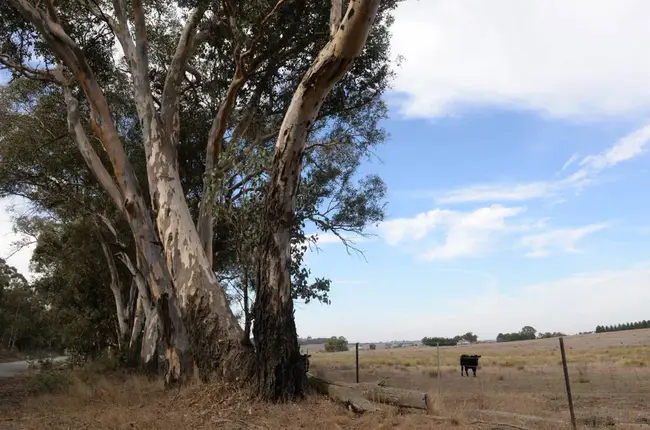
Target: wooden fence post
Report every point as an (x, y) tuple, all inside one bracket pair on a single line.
[(439, 374), (357, 354), (568, 384)]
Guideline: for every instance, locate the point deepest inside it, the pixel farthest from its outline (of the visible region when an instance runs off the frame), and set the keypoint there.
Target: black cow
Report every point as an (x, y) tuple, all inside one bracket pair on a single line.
[(468, 362), (304, 361)]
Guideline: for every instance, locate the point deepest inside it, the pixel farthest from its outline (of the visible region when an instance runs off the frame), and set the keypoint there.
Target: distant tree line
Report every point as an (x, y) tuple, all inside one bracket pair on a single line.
[(621, 327), (313, 340), (549, 335), (449, 341), (526, 333)]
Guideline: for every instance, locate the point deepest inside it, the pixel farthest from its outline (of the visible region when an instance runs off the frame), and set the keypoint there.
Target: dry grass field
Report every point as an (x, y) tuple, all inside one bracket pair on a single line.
[(519, 386), (610, 378)]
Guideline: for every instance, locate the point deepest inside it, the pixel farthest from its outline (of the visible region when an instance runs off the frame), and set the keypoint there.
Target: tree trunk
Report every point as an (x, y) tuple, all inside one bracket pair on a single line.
[(150, 324), (247, 313), (178, 354), (116, 288), (137, 330), (279, 375), (214, 333)]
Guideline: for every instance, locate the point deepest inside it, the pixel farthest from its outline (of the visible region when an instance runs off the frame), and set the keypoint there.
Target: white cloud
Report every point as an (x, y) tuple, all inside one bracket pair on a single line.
[(572, 304), (466, 233), (578, 59), (417, 227), (499, 192), (569, 162), (627, 148), (473, 233), (560, 239)]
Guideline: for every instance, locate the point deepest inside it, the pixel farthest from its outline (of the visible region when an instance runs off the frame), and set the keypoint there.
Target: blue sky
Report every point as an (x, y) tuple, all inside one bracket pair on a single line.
[(516, 169)]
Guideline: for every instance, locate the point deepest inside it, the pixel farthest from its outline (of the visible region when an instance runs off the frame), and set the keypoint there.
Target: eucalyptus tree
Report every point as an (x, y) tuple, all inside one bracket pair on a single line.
[(269, 82)]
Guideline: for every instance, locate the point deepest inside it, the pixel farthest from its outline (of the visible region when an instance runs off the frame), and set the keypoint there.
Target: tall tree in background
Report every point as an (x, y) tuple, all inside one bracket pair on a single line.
[(198, 325)]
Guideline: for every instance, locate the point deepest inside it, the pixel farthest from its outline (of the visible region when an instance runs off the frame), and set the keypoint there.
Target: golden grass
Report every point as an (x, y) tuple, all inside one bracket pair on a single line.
[(424, 357), (520, 384), (136, 402)]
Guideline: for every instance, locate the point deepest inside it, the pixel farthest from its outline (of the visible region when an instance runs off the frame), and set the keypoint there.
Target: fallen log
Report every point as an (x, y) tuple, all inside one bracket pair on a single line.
[(360, 396)]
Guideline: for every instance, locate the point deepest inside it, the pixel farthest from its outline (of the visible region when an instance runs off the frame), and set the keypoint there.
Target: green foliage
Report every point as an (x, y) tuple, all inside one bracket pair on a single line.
[(445, 341), (621, 327), (25, 321), (549, 335), (469, 336), (75, 285), (336, 344), (526, 333), (50, 381), (372, 347), (50, 378), (442, 341)]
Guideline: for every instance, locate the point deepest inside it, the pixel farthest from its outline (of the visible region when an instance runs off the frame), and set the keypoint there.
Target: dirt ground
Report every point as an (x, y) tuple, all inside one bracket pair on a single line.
[(518, 386)]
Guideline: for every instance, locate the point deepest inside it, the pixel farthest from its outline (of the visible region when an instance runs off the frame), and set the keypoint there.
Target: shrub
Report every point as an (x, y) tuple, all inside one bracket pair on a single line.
[(372, 346), (336, 344), (50, 381)]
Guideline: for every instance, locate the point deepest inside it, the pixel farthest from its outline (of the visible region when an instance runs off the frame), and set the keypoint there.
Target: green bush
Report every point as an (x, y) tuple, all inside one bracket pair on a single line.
[(336, 344), (50, 381), (372, 346)]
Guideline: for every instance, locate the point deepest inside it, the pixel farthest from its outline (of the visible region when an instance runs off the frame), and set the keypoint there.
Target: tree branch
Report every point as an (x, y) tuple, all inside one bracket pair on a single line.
[(28, 72), (93, 161), (139, 282), (184, 50), (335, 16), (260, 30)]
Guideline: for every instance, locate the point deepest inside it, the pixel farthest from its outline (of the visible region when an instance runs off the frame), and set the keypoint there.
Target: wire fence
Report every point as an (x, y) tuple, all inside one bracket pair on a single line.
[(564, 378)]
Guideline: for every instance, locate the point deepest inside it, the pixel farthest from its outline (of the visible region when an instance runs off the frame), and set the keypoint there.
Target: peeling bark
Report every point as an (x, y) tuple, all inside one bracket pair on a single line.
[(278, 375), (131, 201), (213, 330)]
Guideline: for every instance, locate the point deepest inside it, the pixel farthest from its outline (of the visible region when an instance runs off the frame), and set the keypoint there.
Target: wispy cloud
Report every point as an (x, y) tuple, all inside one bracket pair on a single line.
[(558, 240), (498, 192), (457, 234), (465, 233), (631, 146), (569, 162)]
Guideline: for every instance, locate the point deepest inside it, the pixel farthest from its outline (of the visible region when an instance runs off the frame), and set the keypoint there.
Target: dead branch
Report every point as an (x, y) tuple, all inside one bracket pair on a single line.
[(361, 396)]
